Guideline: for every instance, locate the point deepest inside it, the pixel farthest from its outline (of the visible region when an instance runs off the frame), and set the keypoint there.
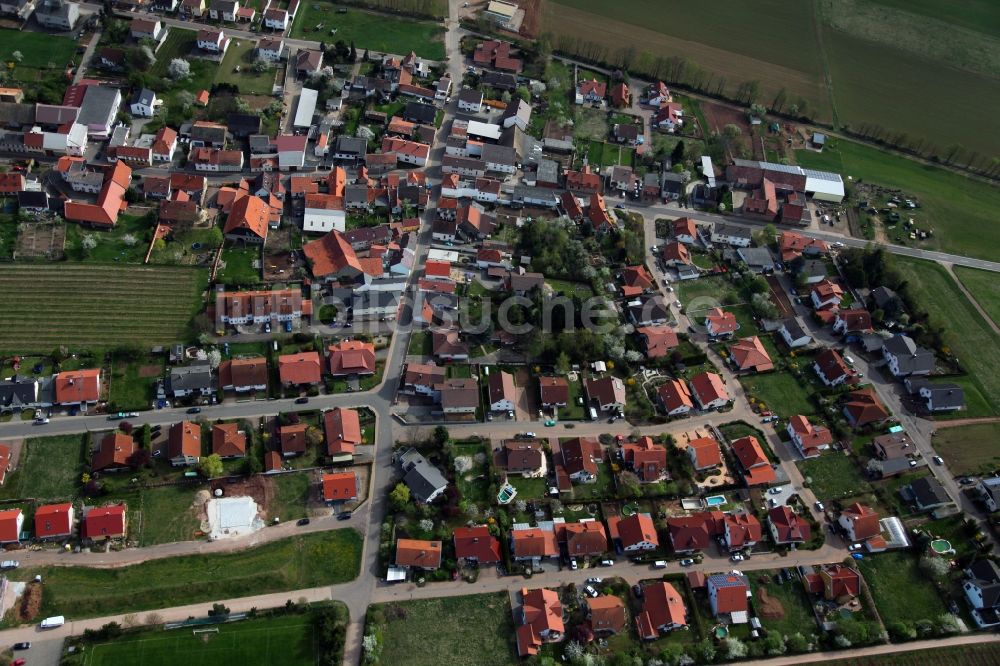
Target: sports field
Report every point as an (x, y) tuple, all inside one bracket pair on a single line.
[(854, 61), (95, 306), (281, 640)]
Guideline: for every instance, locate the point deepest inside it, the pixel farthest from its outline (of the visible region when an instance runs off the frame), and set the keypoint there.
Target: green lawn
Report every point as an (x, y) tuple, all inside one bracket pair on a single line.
[(241, 54), (475, 629), (44, 58), (965, 330), (798, 613), (568, 288), (378, 32), (420, 344), (287, 639), (528, 489), (901, 591), (8, 237), (474, 484), (969, 449), (715, 288), (239, 268), (291, 495), (960, 210), (180, 43), (96, 306), (167, 515), (322, 558), (128, 390), (49, 469), (833, 475), (983, 287), (603, 154), (602, 487), (781, 392), (126, 243), (573, 411)]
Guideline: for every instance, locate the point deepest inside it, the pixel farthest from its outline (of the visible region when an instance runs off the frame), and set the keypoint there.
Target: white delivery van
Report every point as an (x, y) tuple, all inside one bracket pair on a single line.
[(53, 622)]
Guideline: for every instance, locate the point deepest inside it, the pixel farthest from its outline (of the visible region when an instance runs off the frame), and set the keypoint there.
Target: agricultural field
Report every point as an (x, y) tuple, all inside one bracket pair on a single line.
[(96, 306), (957, 655), (966, 333), (378, 32), (322, 558), (475, 629), (286, 640), (959, 209), (969, 449)]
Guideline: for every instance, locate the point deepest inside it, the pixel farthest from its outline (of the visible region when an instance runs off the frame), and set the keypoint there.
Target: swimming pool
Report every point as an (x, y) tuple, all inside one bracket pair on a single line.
[(942, 547), (715, 500)]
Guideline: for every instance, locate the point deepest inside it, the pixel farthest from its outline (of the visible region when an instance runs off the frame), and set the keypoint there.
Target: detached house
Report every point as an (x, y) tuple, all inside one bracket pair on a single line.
[(832, 369), (749, 355), (114, 453), (591, 91), (709, 391), (695, 532), (78, 388), (982, 590), (704, 453), (103, 522), (606, 614), (719, 322), (757, 469), (228, 441), (647, 459), (729, 596), (636, 533), (541, 621), (810, 440), (143, 103), (475, 545), (533, 544), (606, 393), (302, 369), (741, 530), (586, 538), (500, 387), (342, 429), (418, 554), (663, 611), (787, 527), (54, 521), (905, 357), (553, 392), (223, 10), (340, 487), (184, 444), (580, 459), (522, 457), (424, 480), (675, 397), (826, 295), (861, 523), (243, 374), (863, 407)]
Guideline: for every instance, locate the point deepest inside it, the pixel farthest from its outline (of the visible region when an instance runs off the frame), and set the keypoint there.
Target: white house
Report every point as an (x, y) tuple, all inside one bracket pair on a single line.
[(213, 41), (276, 19), (793, 332), (727, 234), (291, 151), (501, 391), (143, 103), (270, 48), (470, 100)]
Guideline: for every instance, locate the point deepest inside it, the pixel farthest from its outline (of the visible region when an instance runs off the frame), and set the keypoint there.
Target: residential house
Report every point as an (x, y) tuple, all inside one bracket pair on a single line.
[(248, 221), (53, 521), (982, 590), (291, 151), (475, 545), (228, 441), (937, 397), (863, 407), (215, 159), (104, 522), (704, 453), (270, 48), (810, 440), (581, 458), (860, 523), (621, 96), (212, 41), (470, 100), (684, 230), (78, 388), (657, 341), (243, 375), (649, 310), (832, 369), (662, 611), (695, 531), (292, 439), (418, 554), (333, 259), (905, 358), (522, 457), (586, 538), (646, 459), (541, 621), (516, 114), (533, 544), (342, 430), (741, 530), (164, 145), (553, 392), (114, 453), (675, 253), (675, 397), (926, 493), (341, 487), (308, 62), (57, 14), (606, 614), (18, 393), (727, 234), (853, 321), (605, 393), (184, 444), (11, 525), (835, 582), (749, 355), (497, 54), (446, 344), (637, 533), (110, 202), (826, 295), (458, 396), (709, 391), (591, 91), (352, 358), (793, 332), (188, 380), (224, 10), (424, 480), (989, 492), (757, 469), (719, 323), (729, 596), (421, 378), (276, 19), (300, 369), (143, 103), (500, 387), (787, 527)]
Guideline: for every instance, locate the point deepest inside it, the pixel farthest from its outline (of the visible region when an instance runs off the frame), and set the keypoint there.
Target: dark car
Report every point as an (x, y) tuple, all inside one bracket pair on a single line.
[(303, 521), (194, 410), (301, 401), (344, 515), (22, 646)]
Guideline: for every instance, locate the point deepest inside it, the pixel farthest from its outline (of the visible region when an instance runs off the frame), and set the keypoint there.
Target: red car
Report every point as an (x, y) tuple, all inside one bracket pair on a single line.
[(18, 662)]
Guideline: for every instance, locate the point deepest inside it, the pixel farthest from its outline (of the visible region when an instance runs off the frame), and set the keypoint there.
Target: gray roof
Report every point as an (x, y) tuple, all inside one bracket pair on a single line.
[(143, 96), (814, 268), (732, 230), (499, 155), (652, 308), (756, 257), (673, 182), (499, 80), (421, 477), (18, 391), (350, 144), (986, 575), (946, 396), (356, 193), (54, 114), (98, 104), (912, 358), (548, 171), (519, 108), (16, 115), (928, 492), (364, 300), (795, 328), (211, 133), (261, 144), (883, 296), (194, 377), (420, 112), (470, 96)]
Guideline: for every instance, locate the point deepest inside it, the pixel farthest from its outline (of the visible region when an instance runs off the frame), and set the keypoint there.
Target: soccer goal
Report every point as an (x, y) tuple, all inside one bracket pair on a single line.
[(211, 630)]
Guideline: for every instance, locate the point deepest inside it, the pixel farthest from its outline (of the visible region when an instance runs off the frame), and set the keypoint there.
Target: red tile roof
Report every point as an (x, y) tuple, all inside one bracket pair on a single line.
[(352, 357), (743, 529), (636, 529), (789, 526), (53, 520), (243, 372), (708, 387), (750, 354), (694, 532), (110, 200), (103, 521), (722, 322), (585, 538), (534, 542), (706, 452), (114, 452), (418, 553), (477, 543), (8, 525), (607, 613), (832, 365), (757, 468), (659, 340), (302, 368), (184, 440), (865, 407), (228, 440), (731, 593), (553, 390), (341, 486), (812, 437), (674, 394), (293, 438), (864, 519), (332, 254), (676, 252), (343, 430), (662, 606), (647, 459), (249, 213), (78, 386)]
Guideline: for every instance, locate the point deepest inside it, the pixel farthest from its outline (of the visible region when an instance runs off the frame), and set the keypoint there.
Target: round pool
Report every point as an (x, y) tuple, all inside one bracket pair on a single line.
[(721, 632), (941, 546)]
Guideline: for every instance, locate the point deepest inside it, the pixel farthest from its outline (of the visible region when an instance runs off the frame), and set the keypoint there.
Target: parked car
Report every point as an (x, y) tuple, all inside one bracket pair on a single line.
[(686, 562), (857, 556), (26, 645), (41, 420), (660, 564), (18, 662), (194, 410), (820, 507), (776, 490), (938, 460), (344, 515), (853, 547), (607, 563), (736, 557), (572, 564), (591, 592), (301, 401), (9, 564), (596, 580)]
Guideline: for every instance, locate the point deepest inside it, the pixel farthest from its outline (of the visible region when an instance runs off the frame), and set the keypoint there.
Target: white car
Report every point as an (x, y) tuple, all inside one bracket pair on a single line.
[(9, 564), (849, 360), (776, 491), (596, 580), (853, 547), (573, 564), (591, 592), (736, 557)]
